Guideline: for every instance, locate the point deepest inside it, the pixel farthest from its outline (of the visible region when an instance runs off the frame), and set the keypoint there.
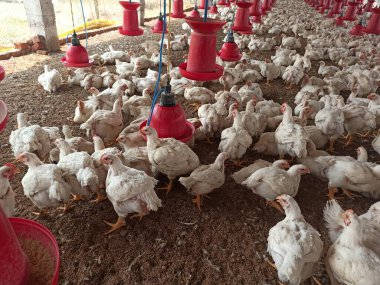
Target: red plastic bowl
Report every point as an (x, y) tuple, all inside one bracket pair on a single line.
[(190, 130), (4, 117), (29, 229), (2, 73)]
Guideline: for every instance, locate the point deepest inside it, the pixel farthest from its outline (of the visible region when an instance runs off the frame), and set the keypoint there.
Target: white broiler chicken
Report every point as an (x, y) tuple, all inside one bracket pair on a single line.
[(333, 216), (30, 138), (269, 108), (254, 123), (84, 109), (206, 178), (292, 75), (330, 120), (199, 96), (230, 77), (245, 172), (77, 143), (270, 71), (376, 143), (111, 56), (106, 124), (212, 116), (169, 156), (129, 190), (44, 184), (267, 144), (273, 181), (80, 165), (235, 140), (327, 71), (291, 138), (50, 80), (295, 246), (349, 260), (7, 196)]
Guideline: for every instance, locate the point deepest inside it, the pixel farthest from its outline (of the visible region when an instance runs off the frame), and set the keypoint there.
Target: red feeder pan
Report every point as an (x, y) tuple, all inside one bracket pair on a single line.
[(325, 7), (336, 9), (158, 26), (255, 12), (178, 10), (230, 50), (169, 120), (201, 62), (2, 73), (373, 26), (76, 55), (214, 9), (339, 21), (202, 5), (265, 6), (368, 6), (4, 117), (350, 14), (357, 30), (28, 229), (222, 3), (130, 19), (241, 23), (195, 13), (13, 262)]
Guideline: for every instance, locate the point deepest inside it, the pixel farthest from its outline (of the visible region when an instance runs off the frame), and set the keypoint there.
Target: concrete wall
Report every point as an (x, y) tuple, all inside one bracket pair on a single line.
[(41, 18)]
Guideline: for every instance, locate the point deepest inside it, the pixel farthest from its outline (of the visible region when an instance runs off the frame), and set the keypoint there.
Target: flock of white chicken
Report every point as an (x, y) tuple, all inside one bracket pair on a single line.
[(239, 115)]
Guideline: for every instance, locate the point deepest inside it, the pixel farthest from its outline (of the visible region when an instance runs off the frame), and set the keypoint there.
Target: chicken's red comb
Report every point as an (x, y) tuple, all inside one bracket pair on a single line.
[(11, 165)]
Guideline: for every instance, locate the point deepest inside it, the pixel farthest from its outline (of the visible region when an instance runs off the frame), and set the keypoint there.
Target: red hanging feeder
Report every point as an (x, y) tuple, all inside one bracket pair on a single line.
[(76, 54), (195, 13), (169, 120), (336, 9), (130, 19), (201, 62), (265, 7), (373, 26), (325, 7), (222, 3), (230, 50), (158, 25), (255, 12), (360, 10), (357, 30), (368, 6), (178, 10), (242, 23), (350, 14), (214, 9), (203, 4)]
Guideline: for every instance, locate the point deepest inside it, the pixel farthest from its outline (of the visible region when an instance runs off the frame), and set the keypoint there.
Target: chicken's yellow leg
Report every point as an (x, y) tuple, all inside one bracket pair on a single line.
[(139, 216), (349, 141), (350, 194), (76, 197), (331, 193), (239, 162), (331, 147), (197, 201), (66, 207), (276, 206), (119, 223), (168, 187), (366, 135), (99, 197), (196, 106)]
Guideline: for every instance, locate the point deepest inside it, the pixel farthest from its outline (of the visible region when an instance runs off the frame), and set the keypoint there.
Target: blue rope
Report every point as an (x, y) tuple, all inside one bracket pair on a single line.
[(157, 92), (84, 20), (206, 8)]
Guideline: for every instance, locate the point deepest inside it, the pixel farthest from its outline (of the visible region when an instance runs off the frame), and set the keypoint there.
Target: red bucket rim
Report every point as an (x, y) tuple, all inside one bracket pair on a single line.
[(76, 64)]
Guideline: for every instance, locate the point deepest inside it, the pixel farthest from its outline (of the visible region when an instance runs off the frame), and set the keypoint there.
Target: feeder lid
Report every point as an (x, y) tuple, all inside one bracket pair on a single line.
[(230, 37), (75, 40)]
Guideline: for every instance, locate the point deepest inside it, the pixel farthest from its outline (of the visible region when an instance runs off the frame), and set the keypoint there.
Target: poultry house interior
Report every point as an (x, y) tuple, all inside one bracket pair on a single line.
[(278, 183)]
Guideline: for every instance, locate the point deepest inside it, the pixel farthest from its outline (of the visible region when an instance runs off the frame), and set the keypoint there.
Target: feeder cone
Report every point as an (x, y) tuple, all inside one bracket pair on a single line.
[(178, 10), (357, 30), (368, 6), (350, 14), (169, 120), (76, 55), (13, 262), (202, 5), (201, 62), (373, 26), (230, 50), (214, 9), (242, 23), (222, 3), (158, 26), (130, 19), (336, 9), (255, 9), (265, 6), (195, 13)]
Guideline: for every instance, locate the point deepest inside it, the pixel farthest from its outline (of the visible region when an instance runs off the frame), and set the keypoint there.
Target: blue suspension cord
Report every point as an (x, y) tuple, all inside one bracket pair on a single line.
[(206, 8), (157, 92), (84, 20)]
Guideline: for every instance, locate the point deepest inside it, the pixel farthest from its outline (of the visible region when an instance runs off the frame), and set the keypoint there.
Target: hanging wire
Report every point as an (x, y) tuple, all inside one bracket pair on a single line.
[(84, 21), (72, 14), (206, 8), (168, 59), (157, 92)]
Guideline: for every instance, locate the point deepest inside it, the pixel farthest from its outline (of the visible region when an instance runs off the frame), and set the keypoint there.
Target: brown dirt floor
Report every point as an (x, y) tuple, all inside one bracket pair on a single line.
[(223, 244)]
